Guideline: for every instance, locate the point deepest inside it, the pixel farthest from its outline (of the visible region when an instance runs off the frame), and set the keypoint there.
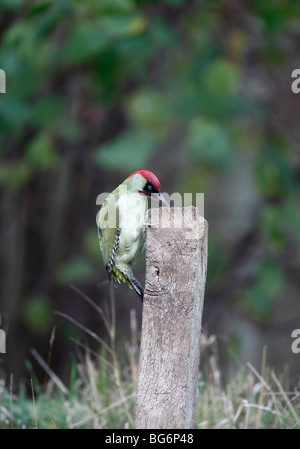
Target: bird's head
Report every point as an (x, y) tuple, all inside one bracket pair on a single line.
[(145, 182)]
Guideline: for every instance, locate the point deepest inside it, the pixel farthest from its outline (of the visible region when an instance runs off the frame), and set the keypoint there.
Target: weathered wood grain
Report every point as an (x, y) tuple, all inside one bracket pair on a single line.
[(176, 263)]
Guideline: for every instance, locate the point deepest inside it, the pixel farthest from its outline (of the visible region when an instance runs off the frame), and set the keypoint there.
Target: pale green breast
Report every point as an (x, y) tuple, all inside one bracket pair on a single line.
[(132, 211), (126, 211)]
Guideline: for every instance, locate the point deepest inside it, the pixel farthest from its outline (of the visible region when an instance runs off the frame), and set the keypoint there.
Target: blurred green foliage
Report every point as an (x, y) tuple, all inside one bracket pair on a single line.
[(259, 297), (74, 270), (215, 143), (132, 149), (177, 86), (37, 314)]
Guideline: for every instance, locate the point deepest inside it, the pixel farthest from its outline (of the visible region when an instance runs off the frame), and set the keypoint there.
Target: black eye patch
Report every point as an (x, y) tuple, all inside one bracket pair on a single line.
[(149, 188)]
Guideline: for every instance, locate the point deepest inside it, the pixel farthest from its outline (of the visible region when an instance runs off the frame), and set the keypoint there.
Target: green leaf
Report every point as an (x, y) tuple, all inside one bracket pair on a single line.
[(259, 297), (75, 269), (15, 175), (91, 242), (130, 151), (11, 4), (272, 226), (234, 345), (13, 113), (175, 2), (276, 15), (148, 107), (162, 34), (85, 41), (88, 38), (222, 77), (108, 6), (41, 152), (274, 168), (209, 143), (37, 313), (280, 223), (47, 112)]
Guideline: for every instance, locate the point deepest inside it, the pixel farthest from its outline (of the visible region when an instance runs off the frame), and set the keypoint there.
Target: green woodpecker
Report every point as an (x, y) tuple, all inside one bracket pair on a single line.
[(121, 226)]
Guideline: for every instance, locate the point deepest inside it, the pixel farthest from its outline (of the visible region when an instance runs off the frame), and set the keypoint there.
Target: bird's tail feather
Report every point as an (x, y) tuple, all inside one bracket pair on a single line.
[(132, 283), (137, 288)]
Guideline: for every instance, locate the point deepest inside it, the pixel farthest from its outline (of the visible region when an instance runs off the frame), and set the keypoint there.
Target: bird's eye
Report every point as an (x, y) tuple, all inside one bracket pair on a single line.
[(150, 187)]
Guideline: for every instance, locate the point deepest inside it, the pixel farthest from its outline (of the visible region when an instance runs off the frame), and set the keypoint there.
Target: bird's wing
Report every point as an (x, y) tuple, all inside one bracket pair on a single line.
[(109, 230), (110, 263)]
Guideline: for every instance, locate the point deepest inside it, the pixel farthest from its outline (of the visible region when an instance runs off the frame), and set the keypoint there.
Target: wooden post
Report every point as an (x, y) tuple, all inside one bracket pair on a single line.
[(176, 261)]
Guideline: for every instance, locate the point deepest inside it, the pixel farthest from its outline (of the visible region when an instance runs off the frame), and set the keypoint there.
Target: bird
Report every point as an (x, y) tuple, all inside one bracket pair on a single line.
[(122, 229)]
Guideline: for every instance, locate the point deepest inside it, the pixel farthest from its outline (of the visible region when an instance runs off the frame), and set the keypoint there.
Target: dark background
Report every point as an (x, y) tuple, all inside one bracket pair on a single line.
[(199, 92)]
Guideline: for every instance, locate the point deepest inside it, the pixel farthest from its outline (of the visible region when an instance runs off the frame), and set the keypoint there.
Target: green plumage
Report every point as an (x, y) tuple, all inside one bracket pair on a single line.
[(121, 233)]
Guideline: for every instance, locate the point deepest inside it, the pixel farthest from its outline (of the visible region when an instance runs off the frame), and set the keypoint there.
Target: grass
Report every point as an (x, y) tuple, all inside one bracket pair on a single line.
[(101, 394), (250, 400)]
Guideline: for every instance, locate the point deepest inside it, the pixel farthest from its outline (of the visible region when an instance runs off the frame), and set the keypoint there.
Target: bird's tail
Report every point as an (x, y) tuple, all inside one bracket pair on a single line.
[(137, 288), (129, 279)]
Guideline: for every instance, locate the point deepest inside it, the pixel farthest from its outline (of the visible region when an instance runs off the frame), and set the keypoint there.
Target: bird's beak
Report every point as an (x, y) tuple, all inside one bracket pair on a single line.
[(159, 197)]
